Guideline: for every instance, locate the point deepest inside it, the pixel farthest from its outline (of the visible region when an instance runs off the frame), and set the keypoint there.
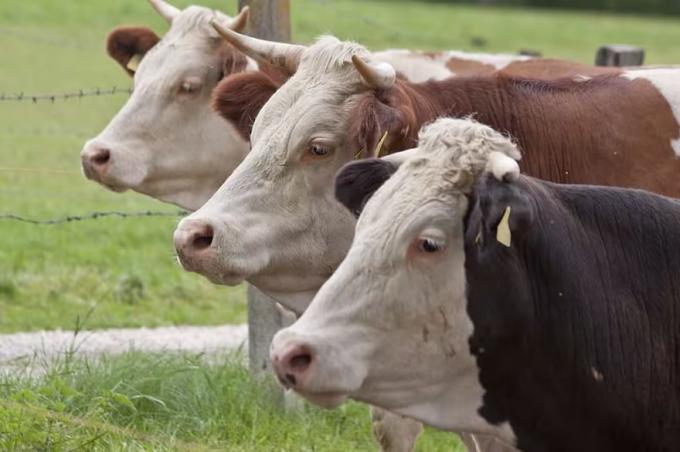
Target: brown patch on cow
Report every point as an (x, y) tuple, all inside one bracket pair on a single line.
[(240, 97), (607, 130), (233, 61), (426, 334), (462, 67), (125, 42), (548, 69)]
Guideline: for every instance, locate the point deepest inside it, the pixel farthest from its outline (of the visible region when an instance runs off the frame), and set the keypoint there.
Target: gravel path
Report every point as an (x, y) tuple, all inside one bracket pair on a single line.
[(16, 348)]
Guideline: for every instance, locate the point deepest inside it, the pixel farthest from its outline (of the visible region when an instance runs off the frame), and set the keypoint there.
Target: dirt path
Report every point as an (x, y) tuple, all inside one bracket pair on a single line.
[(19, 348)]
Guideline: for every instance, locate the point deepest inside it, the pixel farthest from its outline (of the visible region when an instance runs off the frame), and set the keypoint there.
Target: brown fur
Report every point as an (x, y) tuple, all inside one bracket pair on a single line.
[(233, 61), (239, 97), (125, 42), (463, 67), (607, 131), (548, 69)]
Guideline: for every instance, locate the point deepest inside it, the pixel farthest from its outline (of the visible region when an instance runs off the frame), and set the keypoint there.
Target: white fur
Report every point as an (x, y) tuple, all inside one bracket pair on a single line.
[(667, 81), (385, 306)]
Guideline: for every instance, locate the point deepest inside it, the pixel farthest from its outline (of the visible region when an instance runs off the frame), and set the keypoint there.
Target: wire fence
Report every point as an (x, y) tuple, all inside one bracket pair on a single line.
[(91, 216), (79, 94)]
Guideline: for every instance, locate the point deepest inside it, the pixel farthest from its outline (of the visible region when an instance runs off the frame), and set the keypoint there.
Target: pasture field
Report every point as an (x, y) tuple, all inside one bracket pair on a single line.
[(122, 272), (172, 402)]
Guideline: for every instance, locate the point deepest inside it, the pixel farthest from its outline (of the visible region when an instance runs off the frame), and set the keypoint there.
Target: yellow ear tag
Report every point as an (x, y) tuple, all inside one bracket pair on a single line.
[(478, 237), (133, 64), (378, 148), (503, 231)]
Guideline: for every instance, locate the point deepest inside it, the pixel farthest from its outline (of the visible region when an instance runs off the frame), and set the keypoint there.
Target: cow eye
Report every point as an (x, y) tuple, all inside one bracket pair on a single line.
[(190, 86), (430, 246), (319, 150)]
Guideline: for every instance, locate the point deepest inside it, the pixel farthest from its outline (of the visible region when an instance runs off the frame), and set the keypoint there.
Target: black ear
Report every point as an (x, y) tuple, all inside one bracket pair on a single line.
[(493, 200), (126, 43), (356, 182)]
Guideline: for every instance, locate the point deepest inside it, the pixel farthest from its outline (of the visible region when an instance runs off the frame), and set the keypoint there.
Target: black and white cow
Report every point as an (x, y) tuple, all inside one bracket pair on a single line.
[(476, 299)]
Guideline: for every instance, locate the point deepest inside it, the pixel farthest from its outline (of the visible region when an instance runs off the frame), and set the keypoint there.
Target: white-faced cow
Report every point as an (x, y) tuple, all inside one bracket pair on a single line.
[(545, 314), (167, 142), (275, 221)]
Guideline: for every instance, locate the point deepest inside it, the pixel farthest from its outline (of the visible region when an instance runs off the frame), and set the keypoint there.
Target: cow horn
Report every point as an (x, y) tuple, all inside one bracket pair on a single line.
[(282, 55), (166, 10), (375, 75), (239, 22)]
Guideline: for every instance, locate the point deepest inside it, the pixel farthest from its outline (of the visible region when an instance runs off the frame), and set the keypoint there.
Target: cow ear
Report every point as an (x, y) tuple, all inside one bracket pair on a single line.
[(233, 61), (501, 214), (373, 122), (240, 97), (128, 45), (356, 182)]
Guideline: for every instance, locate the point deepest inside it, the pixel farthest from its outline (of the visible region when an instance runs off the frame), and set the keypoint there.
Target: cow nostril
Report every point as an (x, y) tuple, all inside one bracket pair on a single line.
[(102, 157), (300, 362), (290, 379), (203, 239)]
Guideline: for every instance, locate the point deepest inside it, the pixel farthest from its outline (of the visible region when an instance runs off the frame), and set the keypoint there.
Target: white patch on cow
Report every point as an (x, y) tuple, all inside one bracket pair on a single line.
[(582, 78), (667, 82), (389, 304)]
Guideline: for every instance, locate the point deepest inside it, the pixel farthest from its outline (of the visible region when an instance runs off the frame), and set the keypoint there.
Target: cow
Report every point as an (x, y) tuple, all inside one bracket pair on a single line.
[(275, 222), (167, 142), (475, 298)]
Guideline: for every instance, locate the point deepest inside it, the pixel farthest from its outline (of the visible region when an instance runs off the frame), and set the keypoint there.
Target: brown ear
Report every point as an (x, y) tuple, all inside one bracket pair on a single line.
[(233, 61), (126, 43), (240, 97), (371, 119)]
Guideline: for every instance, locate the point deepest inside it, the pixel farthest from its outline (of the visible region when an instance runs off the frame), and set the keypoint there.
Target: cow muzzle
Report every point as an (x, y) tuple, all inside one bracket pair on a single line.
[(196, 243)]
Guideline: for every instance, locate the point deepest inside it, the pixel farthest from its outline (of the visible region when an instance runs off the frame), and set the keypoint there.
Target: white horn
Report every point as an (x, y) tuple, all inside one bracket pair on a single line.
[(503, 167), (239, 22), (375, 75), (166, 10), (397, 158), (282, 55)]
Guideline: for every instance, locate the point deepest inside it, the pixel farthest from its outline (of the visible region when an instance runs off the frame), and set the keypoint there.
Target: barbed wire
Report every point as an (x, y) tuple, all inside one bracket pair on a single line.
[(35, 98), (91, 216)]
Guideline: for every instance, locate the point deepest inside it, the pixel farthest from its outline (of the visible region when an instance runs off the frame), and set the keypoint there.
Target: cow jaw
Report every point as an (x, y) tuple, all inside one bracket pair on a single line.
[(166, 141)]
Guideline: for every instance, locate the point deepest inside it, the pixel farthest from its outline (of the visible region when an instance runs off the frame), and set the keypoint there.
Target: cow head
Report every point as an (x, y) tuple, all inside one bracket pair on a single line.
[(390, 327), (167, 141), (275, 221)]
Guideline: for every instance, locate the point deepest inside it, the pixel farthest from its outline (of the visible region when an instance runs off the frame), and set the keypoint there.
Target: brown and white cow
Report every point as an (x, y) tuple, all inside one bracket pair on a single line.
[(275, 221), (536, 312), (167, 142)]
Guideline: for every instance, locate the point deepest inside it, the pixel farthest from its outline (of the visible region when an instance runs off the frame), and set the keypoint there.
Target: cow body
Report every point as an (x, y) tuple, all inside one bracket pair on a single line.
[(569, 331), (611, 129)]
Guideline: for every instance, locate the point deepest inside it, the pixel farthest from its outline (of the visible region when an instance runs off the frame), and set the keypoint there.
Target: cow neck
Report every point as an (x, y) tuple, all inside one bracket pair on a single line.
[(590, 340)]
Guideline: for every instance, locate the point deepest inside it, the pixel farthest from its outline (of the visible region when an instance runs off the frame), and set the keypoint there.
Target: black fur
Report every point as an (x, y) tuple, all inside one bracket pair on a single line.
[(577, 324), (356, 182)]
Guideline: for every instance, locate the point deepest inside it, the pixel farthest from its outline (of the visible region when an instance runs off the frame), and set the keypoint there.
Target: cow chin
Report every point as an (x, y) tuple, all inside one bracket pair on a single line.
[(328, 400)]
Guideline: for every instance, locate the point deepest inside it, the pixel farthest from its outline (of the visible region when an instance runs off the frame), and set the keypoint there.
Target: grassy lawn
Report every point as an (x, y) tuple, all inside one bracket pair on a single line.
[(172, 402)]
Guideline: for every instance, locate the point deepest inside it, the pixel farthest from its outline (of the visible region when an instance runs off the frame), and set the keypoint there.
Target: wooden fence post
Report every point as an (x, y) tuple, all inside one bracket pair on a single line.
[(269, 19)]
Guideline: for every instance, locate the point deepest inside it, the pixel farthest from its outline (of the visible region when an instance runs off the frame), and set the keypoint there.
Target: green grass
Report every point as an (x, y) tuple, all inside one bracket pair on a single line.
[(172, 402)]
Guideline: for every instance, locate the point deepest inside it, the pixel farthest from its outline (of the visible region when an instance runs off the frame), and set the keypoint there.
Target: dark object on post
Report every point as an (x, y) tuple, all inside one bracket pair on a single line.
[(531, 53), (619, 55)]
